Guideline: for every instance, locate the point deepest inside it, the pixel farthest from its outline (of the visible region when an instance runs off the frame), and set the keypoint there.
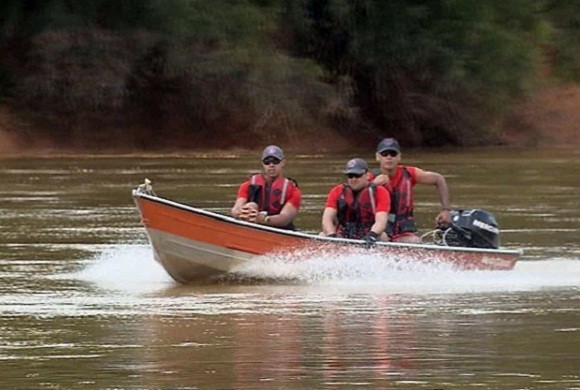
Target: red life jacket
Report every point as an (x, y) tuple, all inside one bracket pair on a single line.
[(270, 197), (356, 212), (401, 218)]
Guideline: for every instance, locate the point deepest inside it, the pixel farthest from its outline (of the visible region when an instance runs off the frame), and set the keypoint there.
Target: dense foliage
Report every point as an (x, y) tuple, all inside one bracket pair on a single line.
[(155, 73)]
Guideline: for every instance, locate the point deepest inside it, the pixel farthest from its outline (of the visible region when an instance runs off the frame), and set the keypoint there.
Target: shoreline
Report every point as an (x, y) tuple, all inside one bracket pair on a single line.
[(549, 118)]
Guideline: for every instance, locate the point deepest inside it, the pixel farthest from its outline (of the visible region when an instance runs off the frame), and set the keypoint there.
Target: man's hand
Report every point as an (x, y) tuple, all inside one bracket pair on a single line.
[(249, 212), (381, 180), (443, 218), (370, 239), (261, 217)]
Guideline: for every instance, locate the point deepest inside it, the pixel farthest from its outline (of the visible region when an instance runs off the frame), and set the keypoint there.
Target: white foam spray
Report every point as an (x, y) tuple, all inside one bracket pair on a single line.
[(403, 274), (133, 267), (127, 267)]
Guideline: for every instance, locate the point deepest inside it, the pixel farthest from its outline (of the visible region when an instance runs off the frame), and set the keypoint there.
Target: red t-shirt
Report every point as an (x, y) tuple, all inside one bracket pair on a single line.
[(381, 195), (293, 195)]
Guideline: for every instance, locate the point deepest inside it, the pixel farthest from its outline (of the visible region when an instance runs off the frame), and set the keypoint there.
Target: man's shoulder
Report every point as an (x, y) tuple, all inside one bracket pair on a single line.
[(408, 167), (380, 189), (254, 177), (291, 180), (412, 170), (337, 189), (295, 189)]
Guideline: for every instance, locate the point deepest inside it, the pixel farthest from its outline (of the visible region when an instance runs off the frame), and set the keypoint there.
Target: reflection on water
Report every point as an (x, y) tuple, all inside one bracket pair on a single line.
[(120, 317), (84, 305)]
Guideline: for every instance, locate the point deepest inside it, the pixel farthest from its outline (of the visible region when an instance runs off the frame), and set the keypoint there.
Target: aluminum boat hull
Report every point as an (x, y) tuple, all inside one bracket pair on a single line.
[(198, 246)]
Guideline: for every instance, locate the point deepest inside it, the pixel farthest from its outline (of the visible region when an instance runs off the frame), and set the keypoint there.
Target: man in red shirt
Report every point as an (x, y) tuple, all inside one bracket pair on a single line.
[(357, 209), (399, 180), (268, 198)]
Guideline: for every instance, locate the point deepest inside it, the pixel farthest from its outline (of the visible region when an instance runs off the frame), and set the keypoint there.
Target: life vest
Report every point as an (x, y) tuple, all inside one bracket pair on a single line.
[(400, 219), (270, 197), (356, 212)]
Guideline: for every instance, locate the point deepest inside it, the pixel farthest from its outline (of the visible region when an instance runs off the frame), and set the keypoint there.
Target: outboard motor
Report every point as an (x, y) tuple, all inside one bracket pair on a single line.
[(471, 228)]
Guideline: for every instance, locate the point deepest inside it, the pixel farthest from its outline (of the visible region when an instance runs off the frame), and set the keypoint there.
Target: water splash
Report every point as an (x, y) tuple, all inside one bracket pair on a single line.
[(133, 267), (364, 270), (127, 267)]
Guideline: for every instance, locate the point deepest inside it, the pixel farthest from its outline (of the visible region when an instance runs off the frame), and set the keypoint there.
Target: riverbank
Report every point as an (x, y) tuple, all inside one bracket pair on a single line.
[(549, 118)]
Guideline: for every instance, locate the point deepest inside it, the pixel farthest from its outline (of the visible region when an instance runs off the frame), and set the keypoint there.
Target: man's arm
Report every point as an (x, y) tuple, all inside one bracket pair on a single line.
[(382, 214), (241, 206), (329, 221), (237, 208), (380, 224), (434, 178), (286, 216)]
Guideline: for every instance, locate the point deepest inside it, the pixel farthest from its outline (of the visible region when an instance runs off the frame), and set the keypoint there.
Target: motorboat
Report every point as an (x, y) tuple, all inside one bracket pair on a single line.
[(199, 246)]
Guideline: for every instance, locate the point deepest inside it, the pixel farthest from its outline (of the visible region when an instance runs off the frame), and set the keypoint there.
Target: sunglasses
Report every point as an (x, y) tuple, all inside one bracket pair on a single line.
[(354, 175), (391, 153), (271, 160)]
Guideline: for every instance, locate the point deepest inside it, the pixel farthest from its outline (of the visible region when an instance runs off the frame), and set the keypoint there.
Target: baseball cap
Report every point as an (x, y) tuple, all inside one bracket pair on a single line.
[(356, 166), (388, 144), (273, 151)]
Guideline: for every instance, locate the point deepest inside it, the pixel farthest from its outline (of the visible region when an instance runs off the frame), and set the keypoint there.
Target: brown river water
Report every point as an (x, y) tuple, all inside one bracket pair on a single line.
[(83, 305)]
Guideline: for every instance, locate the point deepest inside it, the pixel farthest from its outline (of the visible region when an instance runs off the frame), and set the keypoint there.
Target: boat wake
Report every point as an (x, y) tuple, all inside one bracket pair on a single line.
[(402, 274), (126, 267), (133, 267)]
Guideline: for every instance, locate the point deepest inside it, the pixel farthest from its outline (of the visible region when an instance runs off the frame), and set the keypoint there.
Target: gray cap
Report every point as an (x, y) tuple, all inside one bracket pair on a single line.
[(273, 151), (388, 144), (357, 166)]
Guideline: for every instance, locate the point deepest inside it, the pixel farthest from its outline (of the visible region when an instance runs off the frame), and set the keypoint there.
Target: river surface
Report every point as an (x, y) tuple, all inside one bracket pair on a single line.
[(83, 305)]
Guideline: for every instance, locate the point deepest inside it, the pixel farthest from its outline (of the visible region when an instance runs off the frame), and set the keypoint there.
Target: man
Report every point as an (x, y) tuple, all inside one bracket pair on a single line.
[(268, 198), (399, 180), (357, 209)]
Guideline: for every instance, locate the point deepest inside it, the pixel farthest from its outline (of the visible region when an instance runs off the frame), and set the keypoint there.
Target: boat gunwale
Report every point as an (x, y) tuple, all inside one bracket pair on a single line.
[(139, 194)]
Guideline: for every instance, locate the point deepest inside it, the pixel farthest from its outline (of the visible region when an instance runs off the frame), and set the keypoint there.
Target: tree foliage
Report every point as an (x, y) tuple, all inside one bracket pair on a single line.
[(564, 37), (156, 72), (420, 66)]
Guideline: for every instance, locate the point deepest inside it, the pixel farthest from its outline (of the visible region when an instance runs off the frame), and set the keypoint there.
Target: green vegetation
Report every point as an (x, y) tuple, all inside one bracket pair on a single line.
[(159, 73)]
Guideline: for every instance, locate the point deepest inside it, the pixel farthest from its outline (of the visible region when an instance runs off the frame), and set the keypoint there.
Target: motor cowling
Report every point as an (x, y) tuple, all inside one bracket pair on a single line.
[(472, 228)]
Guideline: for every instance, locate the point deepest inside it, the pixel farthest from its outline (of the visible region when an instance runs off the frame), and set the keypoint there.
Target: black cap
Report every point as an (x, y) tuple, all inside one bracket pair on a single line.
[(388, 144), (357, 166)]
